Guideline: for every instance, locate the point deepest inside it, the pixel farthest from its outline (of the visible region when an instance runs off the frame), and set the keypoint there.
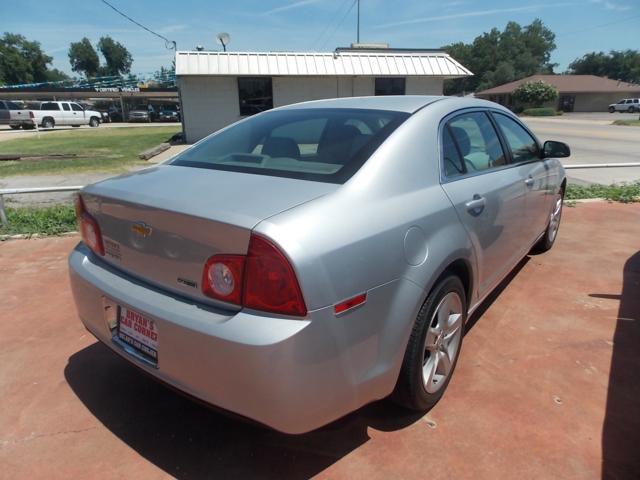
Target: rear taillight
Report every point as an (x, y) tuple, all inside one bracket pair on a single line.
[(270, 283), (262, 280), (89, 228), (31, 115)]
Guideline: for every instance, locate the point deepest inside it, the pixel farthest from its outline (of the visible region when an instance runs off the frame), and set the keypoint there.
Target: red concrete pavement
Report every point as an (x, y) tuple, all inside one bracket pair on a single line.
[(547, 386)]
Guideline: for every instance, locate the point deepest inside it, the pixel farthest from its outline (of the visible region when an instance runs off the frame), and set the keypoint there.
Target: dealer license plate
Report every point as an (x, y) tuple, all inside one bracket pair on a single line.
[(138, 331)]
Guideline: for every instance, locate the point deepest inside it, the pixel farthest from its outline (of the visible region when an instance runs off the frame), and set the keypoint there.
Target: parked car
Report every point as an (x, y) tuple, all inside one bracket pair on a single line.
[(316, 257), (142, 114), (65, 113), (168, 115), (115, 115), (626, 105), (11, 114)]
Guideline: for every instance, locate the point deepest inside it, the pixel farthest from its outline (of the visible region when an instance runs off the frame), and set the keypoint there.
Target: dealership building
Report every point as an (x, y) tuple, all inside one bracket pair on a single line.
[(219, 88)]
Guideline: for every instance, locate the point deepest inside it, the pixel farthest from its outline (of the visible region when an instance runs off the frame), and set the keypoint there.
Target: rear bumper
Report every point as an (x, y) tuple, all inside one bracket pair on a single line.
[(292, 375)]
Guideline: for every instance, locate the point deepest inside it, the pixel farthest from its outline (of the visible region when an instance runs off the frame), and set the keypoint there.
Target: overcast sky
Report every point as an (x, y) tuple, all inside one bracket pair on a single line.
[(314, 25)]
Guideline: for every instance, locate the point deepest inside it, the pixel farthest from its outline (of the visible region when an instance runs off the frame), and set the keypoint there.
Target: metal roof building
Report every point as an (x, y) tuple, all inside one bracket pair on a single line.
[(218, 88)]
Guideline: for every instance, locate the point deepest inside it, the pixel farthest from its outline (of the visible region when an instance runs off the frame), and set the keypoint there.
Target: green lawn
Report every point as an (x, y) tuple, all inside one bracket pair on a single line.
[(629, 123), (99, 149), (625, 193), (51, 220)]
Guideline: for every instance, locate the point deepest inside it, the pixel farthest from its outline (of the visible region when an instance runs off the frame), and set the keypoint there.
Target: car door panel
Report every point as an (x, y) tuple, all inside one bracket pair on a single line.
[(490, 207)]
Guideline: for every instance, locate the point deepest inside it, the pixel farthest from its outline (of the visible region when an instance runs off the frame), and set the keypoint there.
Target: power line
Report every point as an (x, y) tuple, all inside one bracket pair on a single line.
[(339, 24), (594, 27), (333, 19), (169, 44)]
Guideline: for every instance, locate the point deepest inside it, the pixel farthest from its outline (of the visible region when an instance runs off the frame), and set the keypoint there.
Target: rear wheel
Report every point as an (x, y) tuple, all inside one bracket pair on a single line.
[(48, 122), (434, 346), (15, 127), (550, 234)]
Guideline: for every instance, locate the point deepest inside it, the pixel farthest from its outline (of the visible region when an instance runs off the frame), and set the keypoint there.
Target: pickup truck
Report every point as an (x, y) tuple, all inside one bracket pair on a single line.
[(14, 116), (65, 113)]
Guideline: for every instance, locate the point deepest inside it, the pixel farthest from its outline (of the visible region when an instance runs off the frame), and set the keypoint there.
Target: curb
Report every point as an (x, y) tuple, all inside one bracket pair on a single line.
[(28, 236)]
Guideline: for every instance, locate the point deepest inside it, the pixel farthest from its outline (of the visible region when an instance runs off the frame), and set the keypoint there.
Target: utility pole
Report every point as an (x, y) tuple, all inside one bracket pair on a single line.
[(358, 34)]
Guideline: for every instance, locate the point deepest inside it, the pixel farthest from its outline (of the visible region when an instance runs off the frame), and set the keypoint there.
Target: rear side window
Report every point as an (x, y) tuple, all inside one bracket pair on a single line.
[(327, 145), (2, 106), (524, 147), (13, 106), (49, 106), (477, 142)]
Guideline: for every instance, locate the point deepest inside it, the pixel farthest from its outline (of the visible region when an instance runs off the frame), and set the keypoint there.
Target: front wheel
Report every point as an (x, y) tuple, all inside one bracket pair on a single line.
[(15, 127), (631, 110), (550, 234), (434, 346), (611, 109), (94, 122)]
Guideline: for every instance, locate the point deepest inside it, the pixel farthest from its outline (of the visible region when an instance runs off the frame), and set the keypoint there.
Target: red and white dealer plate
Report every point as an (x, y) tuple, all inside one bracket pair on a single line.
[(138, 331)]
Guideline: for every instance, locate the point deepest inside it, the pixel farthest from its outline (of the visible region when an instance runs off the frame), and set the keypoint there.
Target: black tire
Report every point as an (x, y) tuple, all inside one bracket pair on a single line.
[(94, 122), (15, 127), (410, 391), (631, 110), (612, 110), (48, 122), (28, 127), (551, 232), (75, 126)]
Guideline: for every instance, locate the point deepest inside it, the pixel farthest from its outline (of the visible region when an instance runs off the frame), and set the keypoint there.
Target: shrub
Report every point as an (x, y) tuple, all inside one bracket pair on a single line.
[(535, 93), (540, 112)]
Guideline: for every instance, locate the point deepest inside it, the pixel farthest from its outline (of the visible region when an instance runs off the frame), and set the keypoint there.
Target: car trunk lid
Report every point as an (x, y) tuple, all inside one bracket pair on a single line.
[(162, 224)]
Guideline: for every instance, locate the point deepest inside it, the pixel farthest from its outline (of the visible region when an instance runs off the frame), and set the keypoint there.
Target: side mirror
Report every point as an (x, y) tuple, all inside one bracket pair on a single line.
[(553, 149)]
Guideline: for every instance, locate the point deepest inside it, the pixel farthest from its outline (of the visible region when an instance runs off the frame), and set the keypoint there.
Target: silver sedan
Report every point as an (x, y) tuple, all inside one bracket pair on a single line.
[(308, 260)]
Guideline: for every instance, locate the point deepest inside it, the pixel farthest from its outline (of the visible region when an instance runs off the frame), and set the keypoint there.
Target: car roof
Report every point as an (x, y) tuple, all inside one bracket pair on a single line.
[(398, 103)]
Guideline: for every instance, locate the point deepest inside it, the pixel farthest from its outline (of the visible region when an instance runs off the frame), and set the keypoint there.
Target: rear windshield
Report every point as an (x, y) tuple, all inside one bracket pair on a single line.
[(326, 145)]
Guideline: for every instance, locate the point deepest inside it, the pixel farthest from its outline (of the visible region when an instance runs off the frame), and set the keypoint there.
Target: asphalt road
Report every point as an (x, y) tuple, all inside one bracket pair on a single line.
[(593, 139)]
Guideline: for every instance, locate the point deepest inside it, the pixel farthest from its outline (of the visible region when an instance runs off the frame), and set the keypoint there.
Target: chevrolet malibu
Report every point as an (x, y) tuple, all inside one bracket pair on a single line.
[(308, 260)]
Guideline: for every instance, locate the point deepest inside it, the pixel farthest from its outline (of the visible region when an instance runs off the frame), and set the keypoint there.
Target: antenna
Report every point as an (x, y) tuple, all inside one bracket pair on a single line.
[(223, 39)]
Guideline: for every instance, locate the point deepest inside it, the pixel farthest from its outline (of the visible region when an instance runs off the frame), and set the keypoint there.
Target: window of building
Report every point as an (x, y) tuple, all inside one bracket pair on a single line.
[(256, 94), (390, 86)]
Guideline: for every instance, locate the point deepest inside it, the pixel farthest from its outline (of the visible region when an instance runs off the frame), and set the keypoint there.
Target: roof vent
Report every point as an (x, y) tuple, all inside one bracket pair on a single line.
[(370, 46)]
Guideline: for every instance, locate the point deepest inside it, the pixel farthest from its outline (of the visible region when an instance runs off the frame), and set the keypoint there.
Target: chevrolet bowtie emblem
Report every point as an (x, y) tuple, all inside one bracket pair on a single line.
[(142, 229)]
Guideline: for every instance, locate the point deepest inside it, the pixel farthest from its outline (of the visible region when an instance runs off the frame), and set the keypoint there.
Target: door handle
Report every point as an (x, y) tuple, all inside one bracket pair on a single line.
[(476, 206), (529, 182)]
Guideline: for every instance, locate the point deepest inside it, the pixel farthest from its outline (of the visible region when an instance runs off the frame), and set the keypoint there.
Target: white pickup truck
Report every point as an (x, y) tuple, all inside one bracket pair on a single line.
[(14, 116), (65, 113)]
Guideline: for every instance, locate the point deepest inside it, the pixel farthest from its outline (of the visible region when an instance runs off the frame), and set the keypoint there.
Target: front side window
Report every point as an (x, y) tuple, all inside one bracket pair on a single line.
[(524, 147), (255, 94), (2, 106), (76, 108), (326, 145), (65, 107), (50, 106), (477, 142), (390, 86)]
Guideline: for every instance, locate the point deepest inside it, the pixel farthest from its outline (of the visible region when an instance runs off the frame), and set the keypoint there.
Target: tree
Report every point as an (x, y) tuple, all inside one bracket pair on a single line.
[(22, 61), (497, 57), (535, 94), (619, 65), (117, 58), (84, 58)]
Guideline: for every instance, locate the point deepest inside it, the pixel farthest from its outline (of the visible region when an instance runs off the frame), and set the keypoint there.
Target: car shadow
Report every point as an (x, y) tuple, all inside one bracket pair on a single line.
[(493, 296), (189, 440), (621, 429)]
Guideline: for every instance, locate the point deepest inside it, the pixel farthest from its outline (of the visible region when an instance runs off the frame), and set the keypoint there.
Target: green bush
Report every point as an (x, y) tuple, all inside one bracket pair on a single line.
[(535, 94), (540, 112)]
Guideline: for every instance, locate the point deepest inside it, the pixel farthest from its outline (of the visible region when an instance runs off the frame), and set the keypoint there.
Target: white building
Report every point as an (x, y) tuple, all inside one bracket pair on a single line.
[(219, 88)]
